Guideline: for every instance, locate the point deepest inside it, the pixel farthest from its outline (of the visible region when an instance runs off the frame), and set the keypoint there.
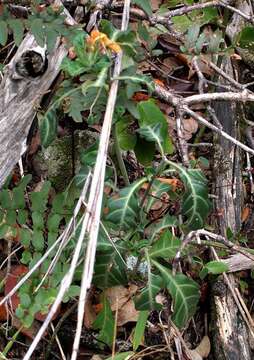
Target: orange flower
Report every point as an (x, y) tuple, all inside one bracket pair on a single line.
[(97, 37)]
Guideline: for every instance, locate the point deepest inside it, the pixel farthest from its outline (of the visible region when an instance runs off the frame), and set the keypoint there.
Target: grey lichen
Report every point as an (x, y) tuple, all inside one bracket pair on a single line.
[(57, 161)]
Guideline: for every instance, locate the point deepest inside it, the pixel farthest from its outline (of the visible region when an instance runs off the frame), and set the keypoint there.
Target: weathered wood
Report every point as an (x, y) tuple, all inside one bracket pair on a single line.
[(230, 333), (20, 98), (238, 262)]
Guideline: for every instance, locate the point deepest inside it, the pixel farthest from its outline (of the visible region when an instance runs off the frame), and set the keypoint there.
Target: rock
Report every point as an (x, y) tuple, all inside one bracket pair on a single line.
[(60, 160)]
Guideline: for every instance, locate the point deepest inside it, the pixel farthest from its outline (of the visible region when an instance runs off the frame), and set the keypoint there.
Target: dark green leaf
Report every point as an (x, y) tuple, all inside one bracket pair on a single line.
[(27, 321), (22, 216), (38, 240), (146, 299), (5, 199), (144, 151), (25, 236), (152, 133), (18, 30), (18, 198), (166, 222), (105, 323), (196, 204), (151, 116), (3, 32), (124, 209), (144, 5), (213, 267), (166, 246), (109, 270), (126, 138), (37, 28), (140, 329), (53, 222), (25, 300), (48, 127), (246, 38), (185, 294), (26, 257), (10, 217), (38, 220)]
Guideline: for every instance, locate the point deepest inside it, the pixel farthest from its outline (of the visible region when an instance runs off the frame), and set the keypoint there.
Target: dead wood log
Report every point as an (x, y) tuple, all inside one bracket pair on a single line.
[(238, 262), (230, 333), (20, 97)]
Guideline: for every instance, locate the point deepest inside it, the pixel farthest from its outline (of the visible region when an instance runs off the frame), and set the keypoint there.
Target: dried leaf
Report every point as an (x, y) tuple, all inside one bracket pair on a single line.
[(202, 350), (127, 313), (155, 4), (203, 64), (119, 295), (90, 314), (175, 183), (35, 143), (11, 281), (3, 311), (189, 127), (139, 96), (245, 213), (159, 82)]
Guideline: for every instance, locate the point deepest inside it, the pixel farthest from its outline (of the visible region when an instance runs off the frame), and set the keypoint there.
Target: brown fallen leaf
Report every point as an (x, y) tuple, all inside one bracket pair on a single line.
[(127, 313), (3, 311), (90, 314), (245, 213), (189, 127), (11, 281), (119, 295), (155, 4)]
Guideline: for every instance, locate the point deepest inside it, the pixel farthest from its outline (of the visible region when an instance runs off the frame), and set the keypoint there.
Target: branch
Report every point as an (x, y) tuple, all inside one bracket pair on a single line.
[(242, 96)]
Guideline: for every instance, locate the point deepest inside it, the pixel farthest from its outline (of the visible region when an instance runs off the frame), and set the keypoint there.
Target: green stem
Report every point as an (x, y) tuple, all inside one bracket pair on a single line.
[(120, 158), (10, 344), (159, 169)]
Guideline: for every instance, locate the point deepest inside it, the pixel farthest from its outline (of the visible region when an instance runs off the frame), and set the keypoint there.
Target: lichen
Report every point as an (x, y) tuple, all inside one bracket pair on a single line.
[(56, 161)]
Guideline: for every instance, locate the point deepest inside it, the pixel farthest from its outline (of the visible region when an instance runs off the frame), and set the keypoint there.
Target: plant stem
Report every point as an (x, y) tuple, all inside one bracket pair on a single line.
[(120, 158), (10, 343)]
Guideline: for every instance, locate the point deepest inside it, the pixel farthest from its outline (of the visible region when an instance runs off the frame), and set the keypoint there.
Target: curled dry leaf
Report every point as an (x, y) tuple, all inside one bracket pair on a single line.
[(72, 53), (202, 350)]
